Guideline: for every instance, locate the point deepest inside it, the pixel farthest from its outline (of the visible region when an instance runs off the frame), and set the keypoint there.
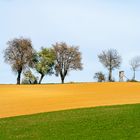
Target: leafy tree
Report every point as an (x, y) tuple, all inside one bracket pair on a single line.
[(29, 78), (110, 60), (135, 65), (45, 62), (67, 58), (19, 54), (99, 76)]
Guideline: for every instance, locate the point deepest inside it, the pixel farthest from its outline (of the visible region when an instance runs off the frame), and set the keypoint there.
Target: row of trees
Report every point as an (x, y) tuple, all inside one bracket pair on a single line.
[(112, 60), (60, 59)]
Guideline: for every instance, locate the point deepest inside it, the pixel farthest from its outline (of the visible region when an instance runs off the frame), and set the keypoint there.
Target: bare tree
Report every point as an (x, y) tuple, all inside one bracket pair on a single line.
[(67, 58), (99, 76), (110, 60), (19, 54), (135, 65)]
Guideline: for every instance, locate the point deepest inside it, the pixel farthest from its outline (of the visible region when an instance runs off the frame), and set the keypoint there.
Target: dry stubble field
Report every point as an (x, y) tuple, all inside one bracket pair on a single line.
[(29, 99)]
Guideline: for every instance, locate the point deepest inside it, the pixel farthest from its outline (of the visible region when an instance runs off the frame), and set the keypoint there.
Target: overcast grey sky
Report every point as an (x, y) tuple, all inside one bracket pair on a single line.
[(94, 25)]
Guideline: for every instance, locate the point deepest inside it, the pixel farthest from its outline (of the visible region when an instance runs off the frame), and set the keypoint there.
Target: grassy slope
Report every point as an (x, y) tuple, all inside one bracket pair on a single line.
[(100, 123)]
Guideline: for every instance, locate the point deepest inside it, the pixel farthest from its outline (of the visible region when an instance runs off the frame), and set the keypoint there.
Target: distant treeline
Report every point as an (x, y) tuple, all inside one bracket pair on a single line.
[(59, 59)]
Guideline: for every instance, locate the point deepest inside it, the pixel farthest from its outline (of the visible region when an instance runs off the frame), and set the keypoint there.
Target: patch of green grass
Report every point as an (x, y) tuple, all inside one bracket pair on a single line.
[(100, 123)]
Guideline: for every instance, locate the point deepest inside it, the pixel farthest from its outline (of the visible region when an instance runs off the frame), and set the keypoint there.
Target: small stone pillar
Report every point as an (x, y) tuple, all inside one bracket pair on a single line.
[(121, 76)]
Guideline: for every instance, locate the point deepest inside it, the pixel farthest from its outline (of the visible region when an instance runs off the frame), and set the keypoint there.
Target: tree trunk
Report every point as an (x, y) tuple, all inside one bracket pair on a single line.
[(62, 79), (110, 75), (134, 75), (19, 77), (30, 82), (41, 78)]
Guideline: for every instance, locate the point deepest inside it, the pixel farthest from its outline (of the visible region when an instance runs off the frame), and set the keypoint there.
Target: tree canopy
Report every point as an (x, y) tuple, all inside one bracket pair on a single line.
[(67, 58), (110, 60), (45, 62), (135, 65), (19, 55)]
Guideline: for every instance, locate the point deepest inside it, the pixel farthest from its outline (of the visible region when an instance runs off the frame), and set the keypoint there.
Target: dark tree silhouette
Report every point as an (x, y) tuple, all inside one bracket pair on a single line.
[(67, 58), (110, 60), (19, 54), (135, 65), (99, 76)]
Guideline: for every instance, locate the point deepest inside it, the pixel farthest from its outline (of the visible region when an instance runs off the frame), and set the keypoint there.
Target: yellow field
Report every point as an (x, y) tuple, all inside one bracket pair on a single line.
[(28, 99)]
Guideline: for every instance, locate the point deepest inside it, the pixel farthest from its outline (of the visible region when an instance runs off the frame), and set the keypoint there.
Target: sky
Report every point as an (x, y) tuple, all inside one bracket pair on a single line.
[(93, 25)]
